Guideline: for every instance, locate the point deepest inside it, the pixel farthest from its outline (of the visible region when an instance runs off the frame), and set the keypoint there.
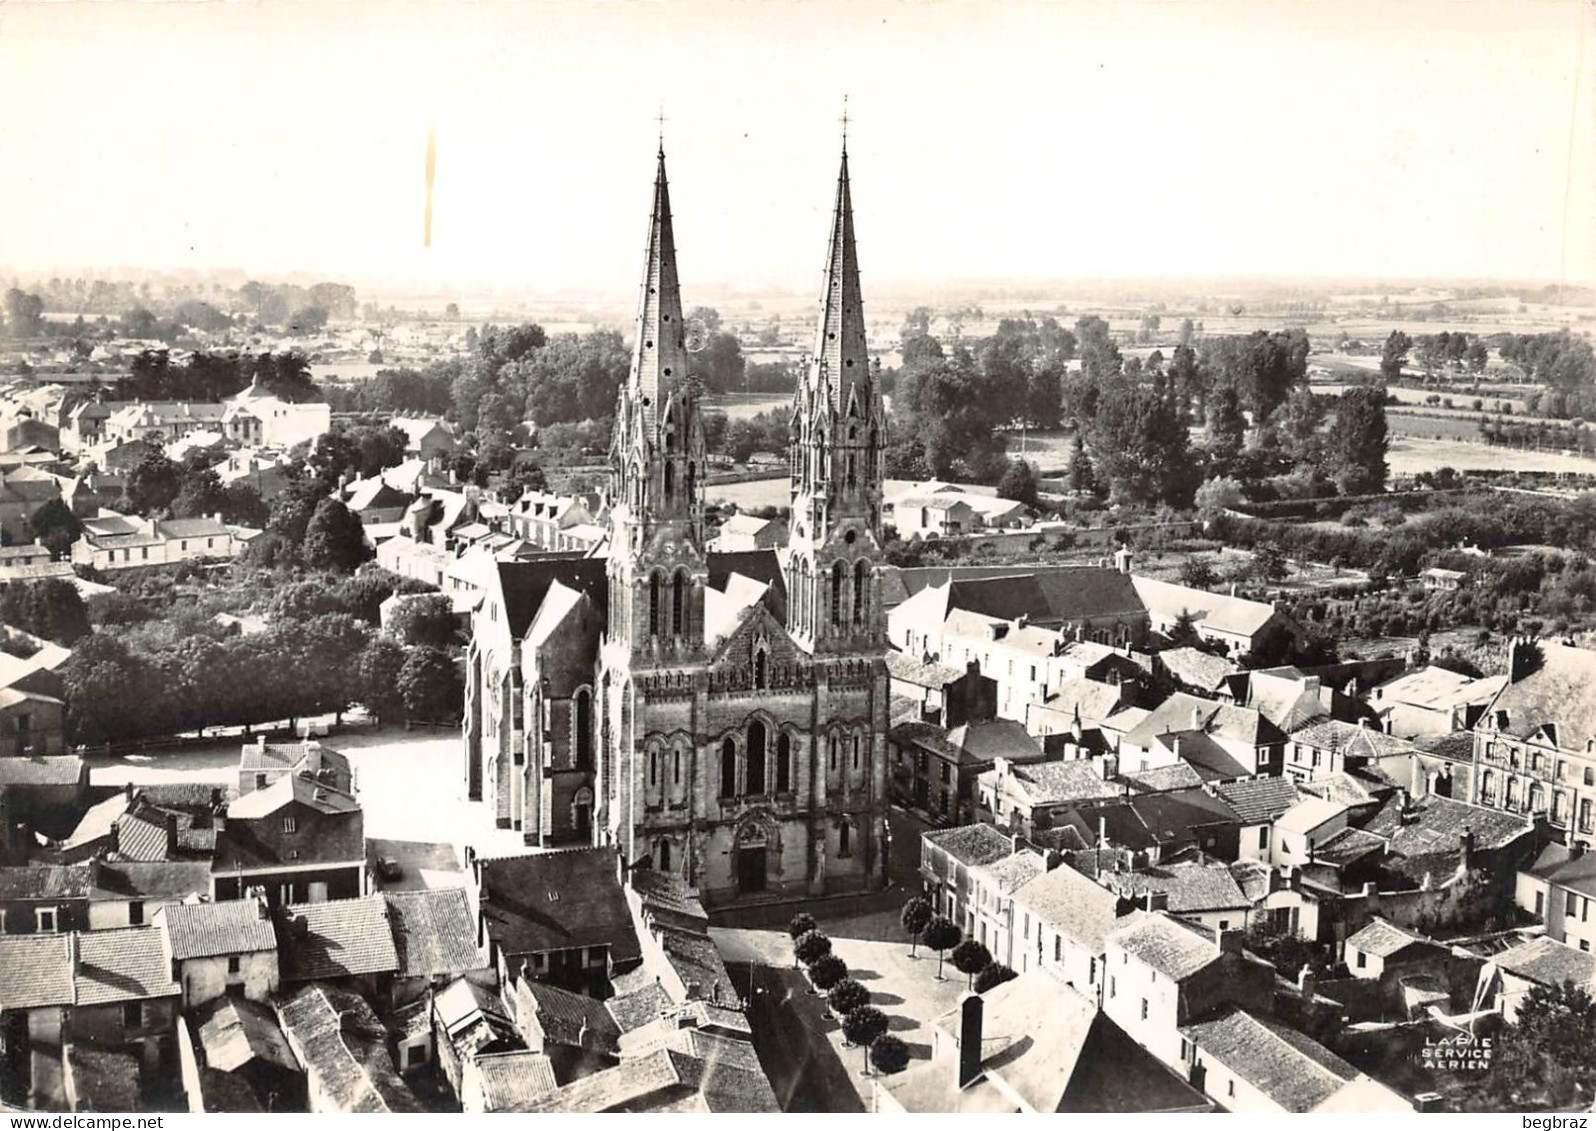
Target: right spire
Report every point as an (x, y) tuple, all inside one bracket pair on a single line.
[(840, 358)]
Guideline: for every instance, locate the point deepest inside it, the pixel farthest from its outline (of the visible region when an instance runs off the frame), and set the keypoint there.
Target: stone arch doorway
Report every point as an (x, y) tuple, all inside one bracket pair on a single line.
[(582, 813), (753, 860)]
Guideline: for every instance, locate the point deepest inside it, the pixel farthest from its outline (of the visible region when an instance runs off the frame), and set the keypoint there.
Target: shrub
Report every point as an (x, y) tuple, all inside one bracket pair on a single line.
[(970, 957), (810, 947), (801, 924), (889, 1054), (847, 996), (942, 935), (827, 971), (916, 917), (992, 975)]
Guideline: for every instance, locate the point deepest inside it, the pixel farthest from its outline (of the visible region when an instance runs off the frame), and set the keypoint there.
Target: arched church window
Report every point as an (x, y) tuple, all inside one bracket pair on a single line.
[(676, 767), (664, 856), (670, 482), (679, 603), (656, 602), (784, 765), (831, 754), (760, 674), (836, 593), (861, 578), (692, 479), (728, 769), (856, 753), (756, 757), (844, 836), (653, 768)]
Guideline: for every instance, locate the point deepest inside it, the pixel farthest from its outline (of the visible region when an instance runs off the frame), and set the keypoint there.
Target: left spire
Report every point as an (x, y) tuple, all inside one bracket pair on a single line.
[(659, 359)]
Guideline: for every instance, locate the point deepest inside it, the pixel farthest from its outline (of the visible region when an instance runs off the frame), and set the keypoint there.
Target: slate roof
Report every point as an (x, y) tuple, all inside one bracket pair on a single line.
[(1383, 939), (202, 930), (434, 932), (337, 939), (1234, 615), (1347, 847), (170, 881), (554, 901), (1258, 801), (1561, 692), (1289, 1067), (1549, 963), (1071, 904), (125, 964), (511, 1080), (971, 845), (1556, 865), (35, 970), (524, 584), (1192, 888), (994, 738)]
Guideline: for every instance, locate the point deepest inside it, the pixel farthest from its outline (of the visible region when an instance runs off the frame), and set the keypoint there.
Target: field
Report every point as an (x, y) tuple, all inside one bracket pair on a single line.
[(773, 492), (742, 406), (1411, 454)]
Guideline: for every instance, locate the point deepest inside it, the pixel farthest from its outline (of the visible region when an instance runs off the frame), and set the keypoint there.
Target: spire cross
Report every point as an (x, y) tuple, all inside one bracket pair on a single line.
[(660, 118), (844, 121)]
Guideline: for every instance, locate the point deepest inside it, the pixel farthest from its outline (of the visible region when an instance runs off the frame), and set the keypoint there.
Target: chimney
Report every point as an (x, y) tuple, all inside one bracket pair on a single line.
[(127, 790), (970, 1040), (261, 741), (1157, 901), (1576, 850), (1229, 940), (171, 835), (219, 818), (1465, 841), (1177, 747), (1196, 718), (1306, 981)]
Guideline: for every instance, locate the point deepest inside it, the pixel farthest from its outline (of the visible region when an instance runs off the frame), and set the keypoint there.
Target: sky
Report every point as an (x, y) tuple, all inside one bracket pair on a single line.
[(988, 141)]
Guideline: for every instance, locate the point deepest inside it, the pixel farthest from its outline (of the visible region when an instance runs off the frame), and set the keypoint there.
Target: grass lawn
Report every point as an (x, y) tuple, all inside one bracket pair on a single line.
[(797, 1028)]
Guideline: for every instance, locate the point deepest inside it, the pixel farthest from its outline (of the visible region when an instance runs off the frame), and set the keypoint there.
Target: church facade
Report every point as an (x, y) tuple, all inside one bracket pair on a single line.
[(718, 716)]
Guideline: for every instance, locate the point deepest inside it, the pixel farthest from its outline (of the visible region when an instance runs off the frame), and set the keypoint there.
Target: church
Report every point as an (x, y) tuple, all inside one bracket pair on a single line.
[(720, 717)]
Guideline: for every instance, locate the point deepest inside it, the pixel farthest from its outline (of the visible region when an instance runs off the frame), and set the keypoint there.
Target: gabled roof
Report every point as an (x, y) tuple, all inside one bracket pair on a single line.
[(1547, 962), (1056, 783), (1173, 948), (201, 930), (571, 1019), (434, 932), (35, 970), (1308, 814), (1557, 865), (511, 1080), (337, 939), (1071, 904), (234, 1031), (344, 1048), (1430, 839), (1383, 939), (1010, 873), (971, 845), (1560, 692), (58, 769), (1192, 888), (551, 901), (1289, 1067), (524, 584), (921, 673), (124, 964), (995, 738), (1216, 611), (46, 881), (1196, 668), (1258, 801)]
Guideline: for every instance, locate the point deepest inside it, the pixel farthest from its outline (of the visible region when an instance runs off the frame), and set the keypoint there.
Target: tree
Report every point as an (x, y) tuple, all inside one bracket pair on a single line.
[(1139, 445), (1216, 495), (992, 975), (1082, 478), (800, 925), (51, 608), (430, 685), (1196, 573), (153, 484), (827, 971), (941, 935), (1357, 442), (200, 496), (331, 646), (426, 619), (1546, 1059), (969, 957), (811, 946), (916, 916), (378, 670), (862, 1026), (1227, 427), (889, 1054), (334, 538), (1394, 355), (1269, 563), (1019, 482), (846, 996), (55, 526)]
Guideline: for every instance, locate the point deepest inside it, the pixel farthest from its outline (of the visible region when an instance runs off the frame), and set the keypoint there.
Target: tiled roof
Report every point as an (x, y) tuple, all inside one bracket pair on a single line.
[(126, 964), (1289, 1067), (234, 1031), (1556, 865), (1308, 814), (638, 1008), (337, 939), (1161, 779), (1258, 801), (1191, 887), (1430, 841), (552, 901), (202, 930), (1210, 610), (971, 844), (1346, 847), (1055, 783), (344, 1049), (994, 738), (1383, 939), (171, 881), (1071, 904), (35, 970), (1173, 948), (921, 673), (1560, 692), (574, 1020), (1549, 963), (58, 769), (1196, 668), (1011, 872), (46, 881), (511, 1080), (435, 932)]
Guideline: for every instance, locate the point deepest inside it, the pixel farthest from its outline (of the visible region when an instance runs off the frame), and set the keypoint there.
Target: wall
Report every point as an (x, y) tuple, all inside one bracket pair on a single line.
[(1129, 983), (206, 979), (1225, 1087)]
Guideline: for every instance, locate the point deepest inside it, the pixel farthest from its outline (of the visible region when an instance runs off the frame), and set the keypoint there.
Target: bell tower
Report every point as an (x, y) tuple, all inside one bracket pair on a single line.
[(838, 432), (657, 562)]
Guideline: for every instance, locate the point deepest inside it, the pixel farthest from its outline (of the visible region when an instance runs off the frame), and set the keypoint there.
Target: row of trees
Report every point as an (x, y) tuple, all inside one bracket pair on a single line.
[(863, 1025), (212, 377)]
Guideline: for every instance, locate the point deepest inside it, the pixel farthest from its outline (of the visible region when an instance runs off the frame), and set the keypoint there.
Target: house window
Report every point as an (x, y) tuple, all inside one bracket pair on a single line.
[(1571, 905), (1363, 960), (135, 913), (1058, 949), (1590, 775), (1185, 1049), (1263, 837), (234, 964), (1144, 1009), (45, 920), (1584, 944), (1230, 1088), (290, 825), (133, 1015), (260, 781)]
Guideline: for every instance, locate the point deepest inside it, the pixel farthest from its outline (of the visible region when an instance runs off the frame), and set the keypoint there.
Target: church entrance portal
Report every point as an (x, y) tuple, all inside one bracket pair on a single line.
[(751, 868)]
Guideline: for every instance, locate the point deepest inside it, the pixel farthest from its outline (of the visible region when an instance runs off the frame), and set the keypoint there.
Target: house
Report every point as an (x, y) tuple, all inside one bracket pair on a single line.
[(506, 1081), (1031, 798), (429, 439), (1432, 700), (938, 771), (992, 887), (1034, 1044), (1219, 739), (553, 521), (1436, 580), (46, 899), (1159, 826), (299, 839), (1194, 670), (159, 422), (221, 949), (1252, 1064), (348, 941), (1301, 830), (261, 764), (1542, 962), (242, 1061), (940, 695), (255, 418), (576, 1032), (1535, 743), (1558, 889), (1078, 705), (129, 893), (1258, 803), (44, 789), (946, 858), (749, 532), (1063, 918), (1237, 625), (691, 1074), (1291, 698), (557, 917), (1164, 974), (435, 939), (113, 542), (1382, 949), (680, 960), (1326, 746), (470, 1023), (343, 1049), (1199, 892)]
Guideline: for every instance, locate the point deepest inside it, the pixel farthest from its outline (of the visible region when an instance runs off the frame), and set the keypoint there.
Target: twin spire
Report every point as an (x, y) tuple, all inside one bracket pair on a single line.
[(660, 358)]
